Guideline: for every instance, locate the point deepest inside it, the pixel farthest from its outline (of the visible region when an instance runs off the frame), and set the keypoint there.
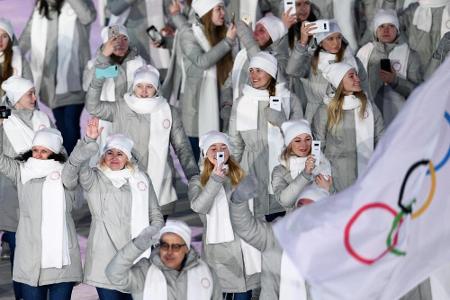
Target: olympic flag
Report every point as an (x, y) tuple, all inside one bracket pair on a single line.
[(389, 231)]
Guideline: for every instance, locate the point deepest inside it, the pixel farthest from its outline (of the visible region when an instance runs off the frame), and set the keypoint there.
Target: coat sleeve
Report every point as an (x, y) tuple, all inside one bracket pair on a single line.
[(79, 158), (119, 6), (414, 76), (25, 37), (202, 198), (8, 166), (299, 63), (194, 52), (287, 192), (235, 135), (378, 124), (85, 10), (245, 34), (103, 109), (154, 211), (319, 125), (124, 274), (296, 108), (181, 145), (255, 232)]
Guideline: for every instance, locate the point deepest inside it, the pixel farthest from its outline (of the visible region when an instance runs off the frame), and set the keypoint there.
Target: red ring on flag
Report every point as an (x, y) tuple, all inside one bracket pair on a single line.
[(349, 247)]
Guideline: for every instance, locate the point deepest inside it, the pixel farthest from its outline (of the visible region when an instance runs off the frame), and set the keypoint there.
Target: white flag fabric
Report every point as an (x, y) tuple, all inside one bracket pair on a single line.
[(361, 243)]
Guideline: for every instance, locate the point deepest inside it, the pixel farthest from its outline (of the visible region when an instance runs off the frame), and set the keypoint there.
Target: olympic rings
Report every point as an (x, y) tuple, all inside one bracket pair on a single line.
[(348, 246), (408, 210), (430, 197)]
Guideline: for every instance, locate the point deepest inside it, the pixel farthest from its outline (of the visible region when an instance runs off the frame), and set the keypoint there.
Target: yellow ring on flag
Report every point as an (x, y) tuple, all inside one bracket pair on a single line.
[(430, 197)]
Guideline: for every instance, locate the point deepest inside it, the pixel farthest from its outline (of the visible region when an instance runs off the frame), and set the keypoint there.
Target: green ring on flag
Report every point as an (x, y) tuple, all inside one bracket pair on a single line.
[(395, 227)]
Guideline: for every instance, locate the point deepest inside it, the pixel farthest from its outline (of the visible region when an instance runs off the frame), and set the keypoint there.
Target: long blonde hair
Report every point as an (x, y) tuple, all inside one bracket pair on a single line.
[(235, 172), (335, 110)]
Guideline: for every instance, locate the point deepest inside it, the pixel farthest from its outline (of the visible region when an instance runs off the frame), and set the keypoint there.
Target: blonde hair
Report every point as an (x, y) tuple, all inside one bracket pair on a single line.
[(235, 172), (335, 110)]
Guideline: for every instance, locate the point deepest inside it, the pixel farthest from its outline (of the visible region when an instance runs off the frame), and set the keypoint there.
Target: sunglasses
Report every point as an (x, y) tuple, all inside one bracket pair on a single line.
[(174, 247)]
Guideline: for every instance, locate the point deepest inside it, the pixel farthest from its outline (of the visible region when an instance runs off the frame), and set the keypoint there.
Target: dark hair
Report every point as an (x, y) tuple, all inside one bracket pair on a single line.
[(7, 69), (44, 7), (59, 157), (295, 29), (272, 86)]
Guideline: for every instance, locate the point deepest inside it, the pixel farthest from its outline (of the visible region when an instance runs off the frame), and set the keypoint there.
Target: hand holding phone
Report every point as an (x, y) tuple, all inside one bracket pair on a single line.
[(289, 4), (315, 151), (113, 31), (321, 26), (385, 64), (220, 158), (154, 35)]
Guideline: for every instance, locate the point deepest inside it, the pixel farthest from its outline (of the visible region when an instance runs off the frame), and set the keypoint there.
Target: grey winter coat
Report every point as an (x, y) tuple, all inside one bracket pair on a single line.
[(225, 258), (314, 84), (259, 234), (424, 43), (126, 121), (27, 260), (196, 61), (250, 149), (9, 205), (339, 144), (86, 14), (131, 278)]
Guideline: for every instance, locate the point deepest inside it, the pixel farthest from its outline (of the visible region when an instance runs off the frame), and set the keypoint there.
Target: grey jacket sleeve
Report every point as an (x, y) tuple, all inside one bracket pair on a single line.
[(25, 38), (296, 108), (202, 198), (79, 158), (235, 135), (245, 34), (124, 274), (155, 215), (378, 124), (102, 109), (319, 125), (194, 52), (26, 70), (8, 166), (299, 63), (255, 232), (414, 77), (85, 10), (119, 6), (181, 145), (286, 190)]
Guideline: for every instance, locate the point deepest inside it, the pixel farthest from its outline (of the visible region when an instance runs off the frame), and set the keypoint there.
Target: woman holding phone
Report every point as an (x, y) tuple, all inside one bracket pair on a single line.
[(236, 264)]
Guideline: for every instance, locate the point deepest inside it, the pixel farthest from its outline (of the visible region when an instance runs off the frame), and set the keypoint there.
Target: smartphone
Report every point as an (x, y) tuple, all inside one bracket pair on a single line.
[(289, 4), (275, 103), (113, 31), (220, 157), (322, 26), (385, 64), (233, 18), (315, 151), (109, 72), (154, 34)]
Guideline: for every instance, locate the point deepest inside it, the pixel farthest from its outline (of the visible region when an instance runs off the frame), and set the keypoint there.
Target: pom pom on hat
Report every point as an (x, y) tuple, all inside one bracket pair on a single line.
[(291, 129), (120, 142), (15, 87), (265, 61), (213, 137), (274, 26), (202, 7), (180, 228), (49, 138)]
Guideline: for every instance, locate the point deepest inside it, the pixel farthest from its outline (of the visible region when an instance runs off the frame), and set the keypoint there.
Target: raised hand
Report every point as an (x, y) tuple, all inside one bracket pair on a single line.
[(93, 129)]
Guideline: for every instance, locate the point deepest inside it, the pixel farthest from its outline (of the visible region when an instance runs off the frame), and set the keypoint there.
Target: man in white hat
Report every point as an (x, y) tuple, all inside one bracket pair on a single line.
[(174, 270)]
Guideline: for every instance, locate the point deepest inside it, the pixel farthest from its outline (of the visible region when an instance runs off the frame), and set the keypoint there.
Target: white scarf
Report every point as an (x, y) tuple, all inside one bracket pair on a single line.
[(326, 59), (296, 165), (54, 236), (20, 135), (160, 57), (158, 145), (16, 61), (199, 283), (139, 198), (208, 102), (399, 57), (66, 44), (292, 284), (364, 130), (219, 228), (239, 62), (423, 17)]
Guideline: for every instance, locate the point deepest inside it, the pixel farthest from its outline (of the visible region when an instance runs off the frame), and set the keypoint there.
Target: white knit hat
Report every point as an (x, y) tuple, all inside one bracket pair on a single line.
[(146, 74), (213, 137), (387, 16), (120, 142), (334, 27), (6, 26), (313, 192), (105, 32), (334, 73), (201, 7), (274, 26), (264, 61), (178, 227), (15, 87), (291, 129), (49, 138)]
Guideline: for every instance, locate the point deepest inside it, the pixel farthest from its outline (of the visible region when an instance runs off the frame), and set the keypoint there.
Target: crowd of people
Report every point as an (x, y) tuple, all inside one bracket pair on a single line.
[(268, 107)]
